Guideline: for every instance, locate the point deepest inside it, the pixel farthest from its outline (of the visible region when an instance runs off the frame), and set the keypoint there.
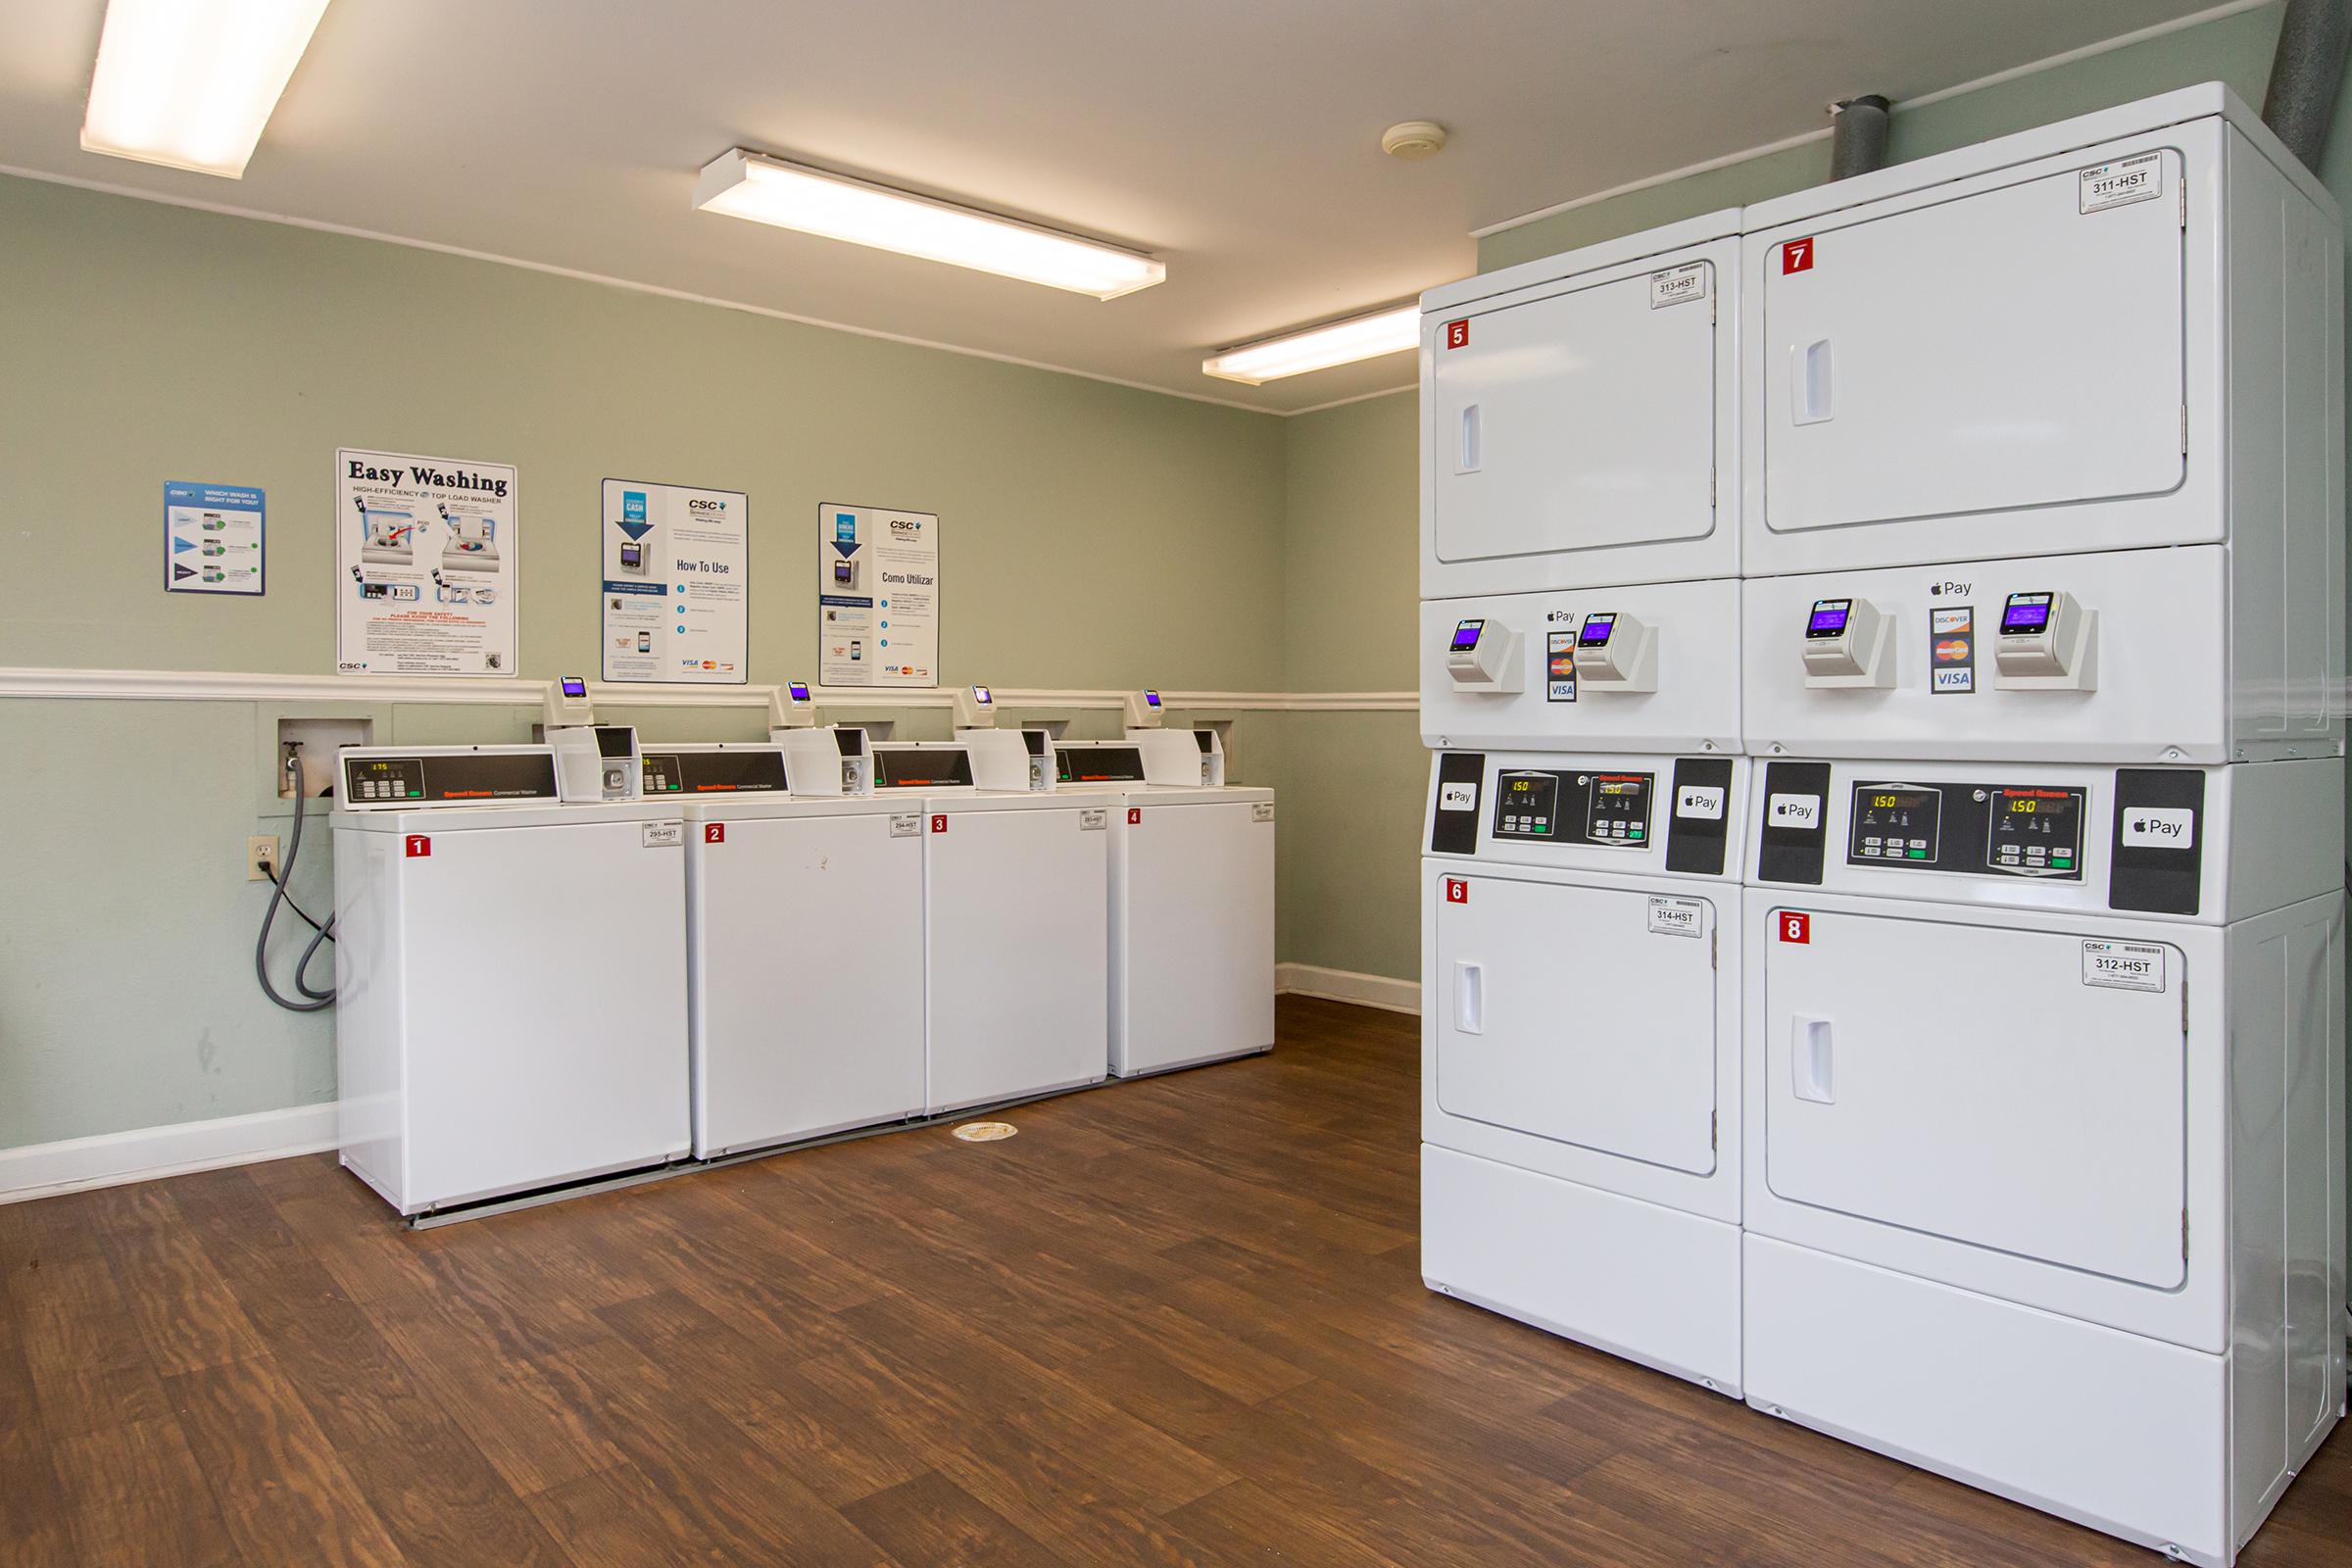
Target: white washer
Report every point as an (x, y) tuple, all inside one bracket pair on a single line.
[(1192, 912), (1016, 929), (1580, 1049), (2045, 1182), (804, 923), (510, 975)]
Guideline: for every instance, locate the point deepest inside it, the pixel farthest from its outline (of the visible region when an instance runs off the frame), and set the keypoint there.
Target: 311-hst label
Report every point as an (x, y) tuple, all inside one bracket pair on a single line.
[(2124, 965)]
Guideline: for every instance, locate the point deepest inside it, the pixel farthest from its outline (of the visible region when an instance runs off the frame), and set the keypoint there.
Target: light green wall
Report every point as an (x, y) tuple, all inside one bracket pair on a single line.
[(1094, 536)]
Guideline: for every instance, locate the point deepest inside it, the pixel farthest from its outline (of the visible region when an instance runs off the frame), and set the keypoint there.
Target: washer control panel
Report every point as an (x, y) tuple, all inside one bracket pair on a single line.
[(2026, 830)]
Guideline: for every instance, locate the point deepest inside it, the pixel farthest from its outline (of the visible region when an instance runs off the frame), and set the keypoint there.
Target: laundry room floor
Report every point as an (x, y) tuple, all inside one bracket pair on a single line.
[(1178, 1321)]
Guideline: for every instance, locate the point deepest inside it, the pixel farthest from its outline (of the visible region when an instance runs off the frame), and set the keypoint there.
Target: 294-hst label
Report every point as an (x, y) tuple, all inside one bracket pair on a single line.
[(2124, 965), (2122, 182)]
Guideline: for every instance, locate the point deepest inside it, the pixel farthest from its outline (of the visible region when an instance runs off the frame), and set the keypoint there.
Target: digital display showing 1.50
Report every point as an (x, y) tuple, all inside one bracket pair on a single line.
[(1899, 822), (2034, 831)]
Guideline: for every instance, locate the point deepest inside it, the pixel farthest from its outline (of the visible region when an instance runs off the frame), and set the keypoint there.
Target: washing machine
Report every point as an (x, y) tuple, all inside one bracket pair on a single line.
[(1016, 933), (1191, 899), (511, 1007), (2123, 330), (2045, 1141), (1580, 1049), (804, 928)]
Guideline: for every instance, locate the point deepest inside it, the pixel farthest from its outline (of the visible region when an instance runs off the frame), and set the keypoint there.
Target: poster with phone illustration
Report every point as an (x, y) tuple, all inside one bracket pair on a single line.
[(877, 597), (426, 565), (677, 583)]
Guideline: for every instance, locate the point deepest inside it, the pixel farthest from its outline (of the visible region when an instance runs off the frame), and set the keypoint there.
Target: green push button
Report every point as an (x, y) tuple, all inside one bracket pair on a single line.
[(1917, 854), (2062, 861)]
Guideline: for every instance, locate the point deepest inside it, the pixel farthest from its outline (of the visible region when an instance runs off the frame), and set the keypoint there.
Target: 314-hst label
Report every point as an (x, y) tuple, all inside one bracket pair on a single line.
[(1678, 917), (2124, 965)]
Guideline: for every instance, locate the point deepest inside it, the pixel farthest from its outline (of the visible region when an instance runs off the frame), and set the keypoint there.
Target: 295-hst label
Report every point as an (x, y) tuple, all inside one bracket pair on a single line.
[(2124, 965), (2122, 182), (665, 835)]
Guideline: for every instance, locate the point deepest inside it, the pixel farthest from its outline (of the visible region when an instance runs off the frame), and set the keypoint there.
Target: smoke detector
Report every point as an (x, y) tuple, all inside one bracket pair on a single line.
[(1412, 139)]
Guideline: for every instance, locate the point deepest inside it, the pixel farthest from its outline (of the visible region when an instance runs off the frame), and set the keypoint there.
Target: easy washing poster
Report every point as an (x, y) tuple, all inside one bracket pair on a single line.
[(877, 597), (677, 583), (425, 566)]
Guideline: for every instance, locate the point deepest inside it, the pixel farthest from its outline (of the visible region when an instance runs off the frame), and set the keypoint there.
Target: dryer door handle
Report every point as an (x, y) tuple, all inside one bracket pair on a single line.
[(1469, 997), (1810, 392), (1812, 1060)]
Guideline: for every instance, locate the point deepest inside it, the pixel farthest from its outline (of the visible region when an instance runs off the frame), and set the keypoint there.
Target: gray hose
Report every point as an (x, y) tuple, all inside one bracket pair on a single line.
[(1858, 135), (2305, 75), (318, 1001)]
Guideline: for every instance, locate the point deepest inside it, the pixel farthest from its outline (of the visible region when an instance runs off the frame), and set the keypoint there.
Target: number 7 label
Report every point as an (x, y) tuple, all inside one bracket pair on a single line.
[(1796, 256)]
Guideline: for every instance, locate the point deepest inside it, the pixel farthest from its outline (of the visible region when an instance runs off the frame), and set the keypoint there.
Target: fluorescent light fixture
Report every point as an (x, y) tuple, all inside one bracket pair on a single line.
[(768, 190), (1319, 348), (190, 83)]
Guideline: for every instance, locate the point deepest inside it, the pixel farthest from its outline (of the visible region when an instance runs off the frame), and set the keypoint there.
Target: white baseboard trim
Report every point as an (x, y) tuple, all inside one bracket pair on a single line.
[(111, 1160), (1347, 985)]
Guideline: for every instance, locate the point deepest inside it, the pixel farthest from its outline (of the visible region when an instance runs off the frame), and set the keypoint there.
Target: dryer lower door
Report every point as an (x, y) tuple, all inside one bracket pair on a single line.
[(2016, 1090), (1582, 1014)]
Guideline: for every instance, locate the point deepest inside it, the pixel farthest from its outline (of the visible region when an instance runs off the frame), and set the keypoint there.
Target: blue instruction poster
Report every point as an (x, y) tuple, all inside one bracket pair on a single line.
[(212, 539)]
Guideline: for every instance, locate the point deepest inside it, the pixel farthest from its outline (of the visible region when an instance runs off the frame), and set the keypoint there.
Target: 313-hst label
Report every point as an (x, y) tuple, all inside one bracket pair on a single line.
[(2124, 965)]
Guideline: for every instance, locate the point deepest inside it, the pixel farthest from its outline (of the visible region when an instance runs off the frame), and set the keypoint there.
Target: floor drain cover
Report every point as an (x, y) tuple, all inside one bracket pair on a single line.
[(985, 1132)]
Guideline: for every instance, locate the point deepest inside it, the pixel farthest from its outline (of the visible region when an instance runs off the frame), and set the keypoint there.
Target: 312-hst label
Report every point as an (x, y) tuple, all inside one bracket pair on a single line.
[(2124, 965)]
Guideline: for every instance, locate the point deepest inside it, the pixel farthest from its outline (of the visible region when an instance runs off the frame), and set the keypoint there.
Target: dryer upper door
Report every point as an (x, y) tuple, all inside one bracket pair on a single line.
[(2022, 347), (1582, 1014), (2012, 1089), (1578, 424)]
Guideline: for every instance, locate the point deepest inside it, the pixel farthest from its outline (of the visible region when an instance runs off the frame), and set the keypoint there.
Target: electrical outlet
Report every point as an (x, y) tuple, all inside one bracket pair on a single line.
[(260, 850)]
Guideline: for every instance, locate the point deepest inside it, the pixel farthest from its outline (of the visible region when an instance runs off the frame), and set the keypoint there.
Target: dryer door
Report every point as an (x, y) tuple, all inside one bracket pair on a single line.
[(2016, 1090), (1578, 423), (1580, 1014), (2019, 348)]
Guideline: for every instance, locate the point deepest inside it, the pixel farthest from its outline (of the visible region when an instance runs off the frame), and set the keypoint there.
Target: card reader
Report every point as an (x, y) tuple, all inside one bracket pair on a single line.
[(1484, 656), (1616, 652), (1849, 643), (2047, 642)]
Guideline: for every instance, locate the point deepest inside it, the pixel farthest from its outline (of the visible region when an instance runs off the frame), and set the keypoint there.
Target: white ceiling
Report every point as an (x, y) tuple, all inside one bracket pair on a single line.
[(1236, 139)]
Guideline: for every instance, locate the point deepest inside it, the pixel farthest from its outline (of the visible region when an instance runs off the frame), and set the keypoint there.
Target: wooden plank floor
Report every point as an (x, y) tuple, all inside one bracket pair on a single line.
[(1172, 1322)]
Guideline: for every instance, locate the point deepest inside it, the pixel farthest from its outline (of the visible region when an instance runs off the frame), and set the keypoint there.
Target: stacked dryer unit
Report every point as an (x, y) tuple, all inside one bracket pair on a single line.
[(1581, 912), (2043, 468)]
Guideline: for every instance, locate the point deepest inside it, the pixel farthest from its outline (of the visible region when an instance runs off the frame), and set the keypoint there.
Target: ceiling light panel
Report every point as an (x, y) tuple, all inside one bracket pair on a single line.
[(768, 190), (1318, 347), (190, 83)]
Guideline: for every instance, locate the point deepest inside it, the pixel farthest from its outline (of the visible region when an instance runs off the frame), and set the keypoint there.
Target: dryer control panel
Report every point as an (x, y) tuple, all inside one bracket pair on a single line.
[(1627, 813), (1998, 829)]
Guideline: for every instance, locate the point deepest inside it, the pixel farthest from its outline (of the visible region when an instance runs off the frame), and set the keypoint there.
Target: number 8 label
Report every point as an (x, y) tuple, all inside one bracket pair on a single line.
[(1796, 927)]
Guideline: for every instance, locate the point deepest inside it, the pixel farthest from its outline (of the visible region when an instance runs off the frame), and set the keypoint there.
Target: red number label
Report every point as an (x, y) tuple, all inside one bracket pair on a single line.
[(1796, 927), (1796, 256), (1134, 816), (938, 824), (418, 846), (714, 832), (1458, 334), (1458, 891)]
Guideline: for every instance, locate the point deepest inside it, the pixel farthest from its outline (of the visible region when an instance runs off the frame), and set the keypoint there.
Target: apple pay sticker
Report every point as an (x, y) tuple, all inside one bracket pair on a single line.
[(1678, 917), (1703, 801), (1800, 812), (2124, 965), (2152, 827), (1457, 797)]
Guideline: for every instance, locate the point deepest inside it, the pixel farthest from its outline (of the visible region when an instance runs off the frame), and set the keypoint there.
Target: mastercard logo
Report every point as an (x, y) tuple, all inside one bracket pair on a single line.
[(1951, 649)]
